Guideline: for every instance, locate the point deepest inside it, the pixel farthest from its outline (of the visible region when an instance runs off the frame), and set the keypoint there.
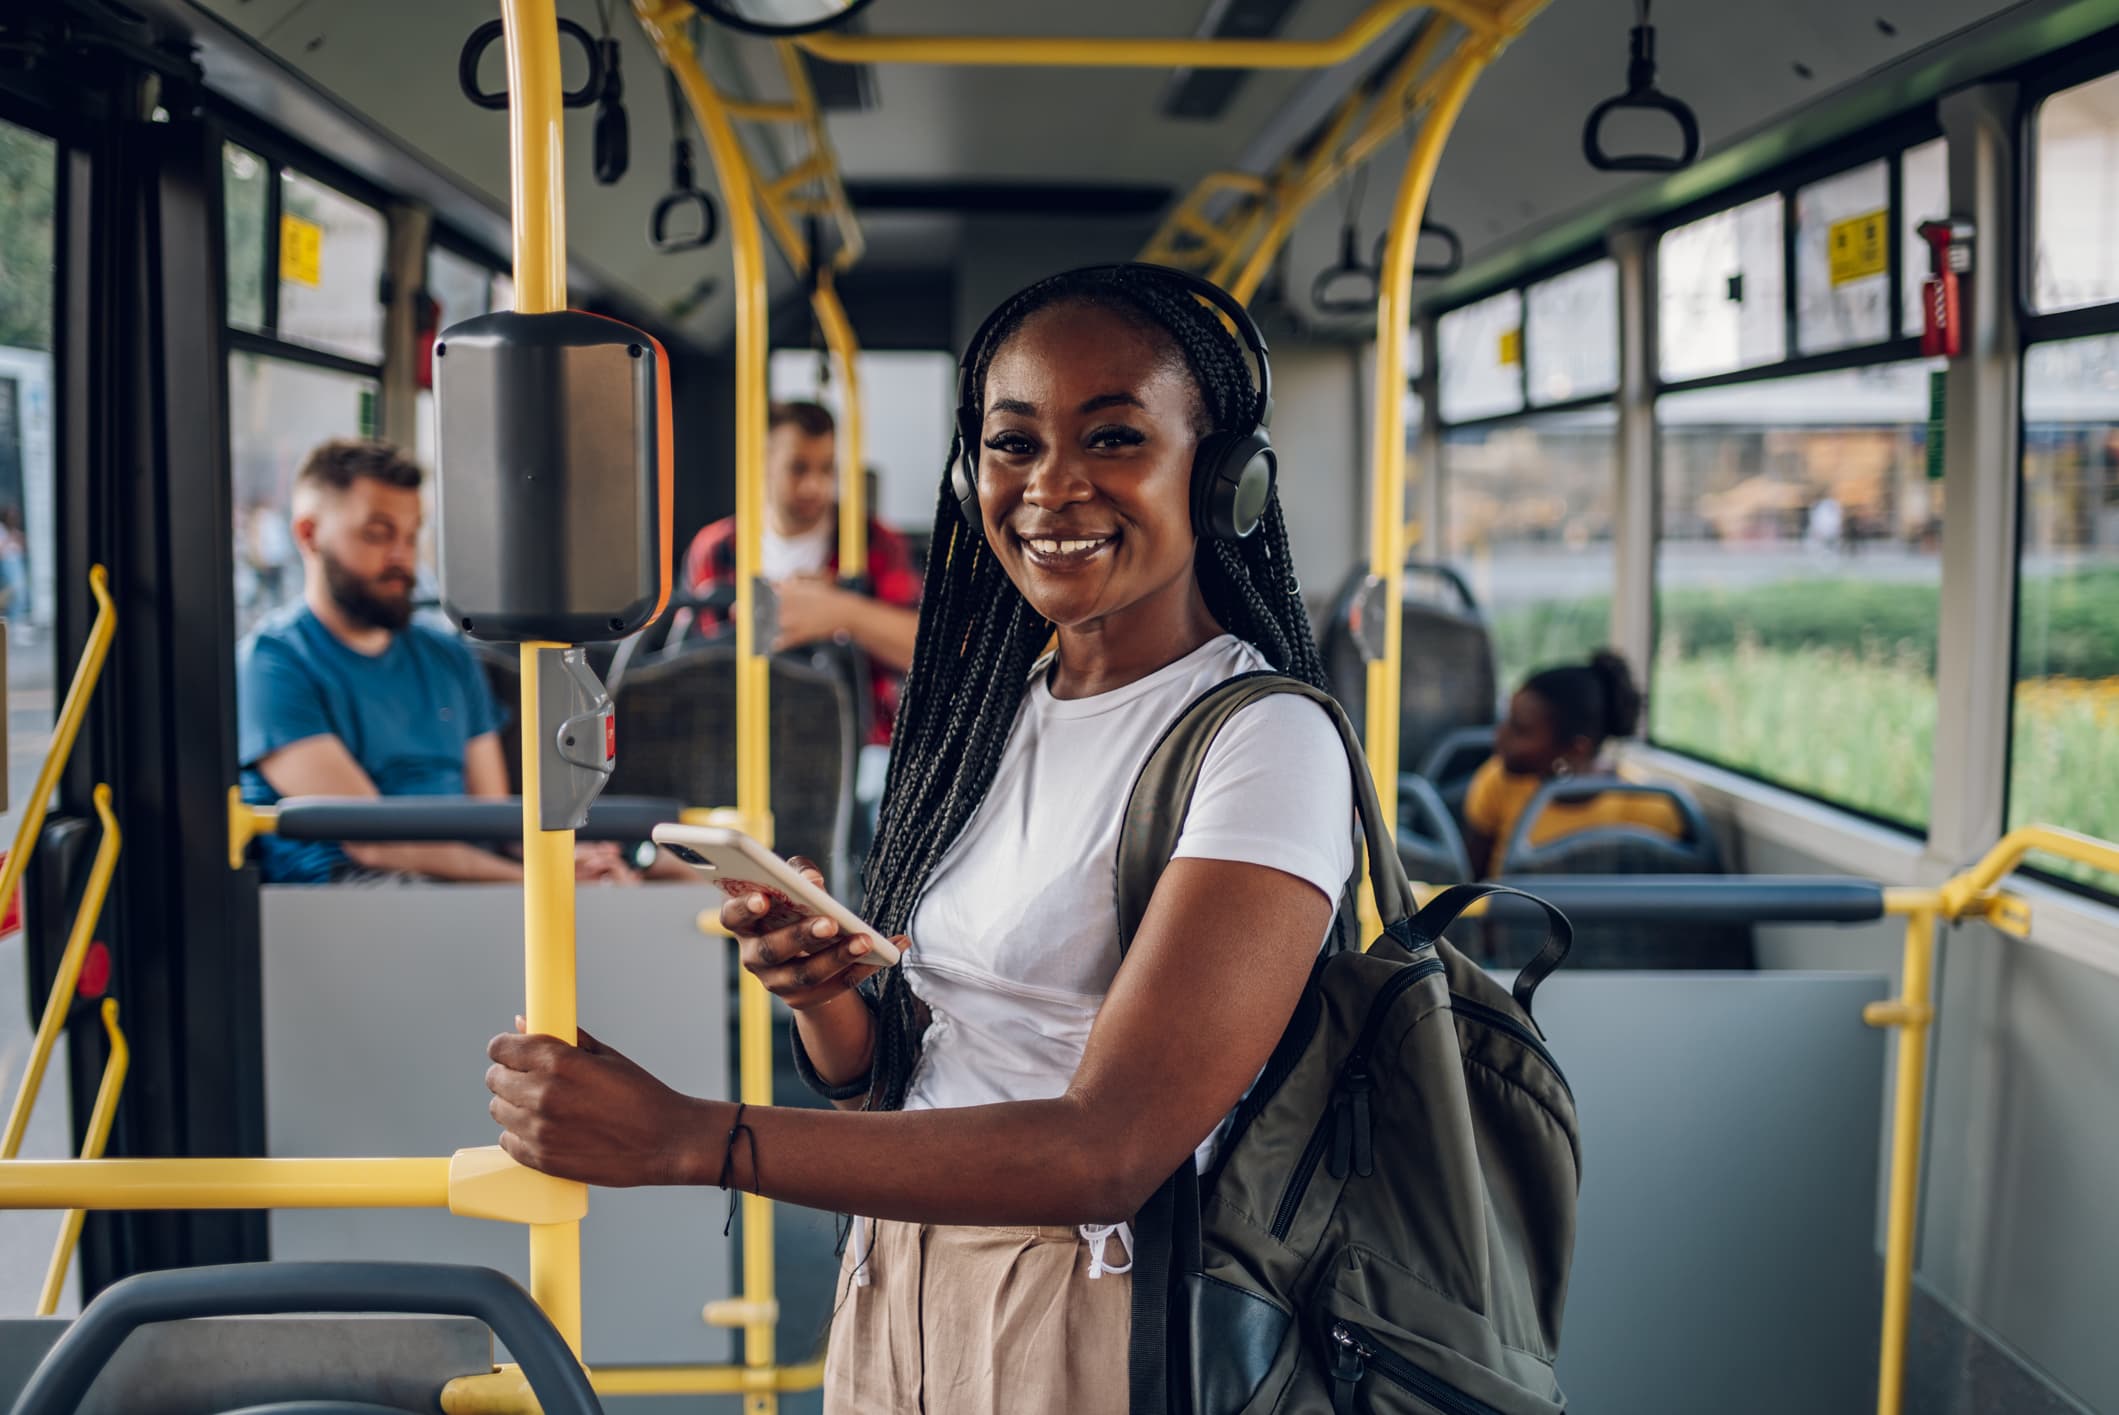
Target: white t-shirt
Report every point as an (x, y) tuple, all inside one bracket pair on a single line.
[(1015, 941), (806, 554)]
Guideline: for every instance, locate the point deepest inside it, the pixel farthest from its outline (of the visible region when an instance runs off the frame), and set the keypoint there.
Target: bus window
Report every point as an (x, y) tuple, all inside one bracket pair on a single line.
[(1527, 511), (1842, 281), (1481, 347), (2064, 741), (277, 411), (1571, 334), (28, 592), (246, 204), (1923, 195), (2075, 257), (1798, 584), (1722, 280), (331, 270)]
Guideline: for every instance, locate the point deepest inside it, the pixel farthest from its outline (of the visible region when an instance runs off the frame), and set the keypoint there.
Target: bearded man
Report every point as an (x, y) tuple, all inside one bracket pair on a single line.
[(342, 693)]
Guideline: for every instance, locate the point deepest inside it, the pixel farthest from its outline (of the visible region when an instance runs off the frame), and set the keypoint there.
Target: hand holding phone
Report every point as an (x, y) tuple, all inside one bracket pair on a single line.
[(741, 867)]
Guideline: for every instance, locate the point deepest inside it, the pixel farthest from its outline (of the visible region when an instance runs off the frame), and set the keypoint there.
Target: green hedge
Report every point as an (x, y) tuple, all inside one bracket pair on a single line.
[(2070, 624)]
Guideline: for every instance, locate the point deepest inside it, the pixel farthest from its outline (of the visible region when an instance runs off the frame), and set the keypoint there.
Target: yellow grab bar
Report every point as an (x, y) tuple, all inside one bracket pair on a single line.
[(504, 1391), (1963, 891), (225, 1184), (853, 479), (92, 1144), (61, 999), (1066, 52), (64, 730)]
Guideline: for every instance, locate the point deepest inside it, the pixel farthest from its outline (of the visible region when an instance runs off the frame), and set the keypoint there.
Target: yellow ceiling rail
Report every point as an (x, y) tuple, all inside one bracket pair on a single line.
[(1237, 247), (1090, 52)]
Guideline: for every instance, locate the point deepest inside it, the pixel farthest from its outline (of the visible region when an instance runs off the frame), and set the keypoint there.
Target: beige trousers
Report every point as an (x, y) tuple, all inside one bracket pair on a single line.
[(976, 1321)]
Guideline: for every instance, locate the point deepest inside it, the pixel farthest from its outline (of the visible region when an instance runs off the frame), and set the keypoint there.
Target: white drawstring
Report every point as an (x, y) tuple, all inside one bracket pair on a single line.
[(864, 1247), (1097, 1235)]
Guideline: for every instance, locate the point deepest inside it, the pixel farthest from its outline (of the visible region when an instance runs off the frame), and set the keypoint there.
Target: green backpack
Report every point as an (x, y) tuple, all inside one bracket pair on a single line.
[(1390, 1220)]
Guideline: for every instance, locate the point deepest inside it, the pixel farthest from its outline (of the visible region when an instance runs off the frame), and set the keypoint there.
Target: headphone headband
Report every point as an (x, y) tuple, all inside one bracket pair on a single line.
[(1197, 285)]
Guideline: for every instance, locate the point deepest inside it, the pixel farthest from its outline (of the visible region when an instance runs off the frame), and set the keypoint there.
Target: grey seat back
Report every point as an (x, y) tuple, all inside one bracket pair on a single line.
[(1448, 676), (1621, 850), (677, 732), (1430, 845)]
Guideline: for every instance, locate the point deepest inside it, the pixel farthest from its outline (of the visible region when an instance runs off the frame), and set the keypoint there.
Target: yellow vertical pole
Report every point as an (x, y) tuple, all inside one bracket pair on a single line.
[(665, 22), (1394, 312), (853, 479), (1911, 1014), (536, 152)]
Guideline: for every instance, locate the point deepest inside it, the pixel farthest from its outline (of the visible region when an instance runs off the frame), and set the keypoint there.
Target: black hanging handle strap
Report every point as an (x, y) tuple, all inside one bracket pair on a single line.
[(482, 39), (1641, 93)]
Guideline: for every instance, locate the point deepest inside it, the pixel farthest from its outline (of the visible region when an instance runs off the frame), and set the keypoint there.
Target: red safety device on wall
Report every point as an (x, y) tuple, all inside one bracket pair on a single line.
[(1949, 256), (427, 317)]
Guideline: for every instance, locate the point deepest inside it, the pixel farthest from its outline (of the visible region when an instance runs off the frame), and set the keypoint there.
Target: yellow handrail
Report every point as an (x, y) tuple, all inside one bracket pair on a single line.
[(1088, 52), (853, 479), (1387, 505), (61, 998), (225, 1184), (537, 166), (68, 726), (666, 23), (92, 1144)]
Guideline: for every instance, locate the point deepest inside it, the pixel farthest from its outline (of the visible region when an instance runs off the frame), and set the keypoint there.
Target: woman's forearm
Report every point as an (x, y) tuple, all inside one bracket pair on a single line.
[(1023, 1162), (840, 1038)]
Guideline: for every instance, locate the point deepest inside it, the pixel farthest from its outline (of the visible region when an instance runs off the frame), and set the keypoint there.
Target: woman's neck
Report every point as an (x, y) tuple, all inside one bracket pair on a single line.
[(1124, 647)]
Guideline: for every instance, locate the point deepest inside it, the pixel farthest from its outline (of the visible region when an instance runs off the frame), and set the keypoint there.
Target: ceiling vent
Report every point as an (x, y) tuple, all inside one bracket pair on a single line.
[(1202, 95)]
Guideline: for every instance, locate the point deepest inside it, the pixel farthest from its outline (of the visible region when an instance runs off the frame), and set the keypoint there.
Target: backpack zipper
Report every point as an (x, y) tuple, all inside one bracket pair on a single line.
[(1357, 1352), (1501, 1022), (1329, 1123)]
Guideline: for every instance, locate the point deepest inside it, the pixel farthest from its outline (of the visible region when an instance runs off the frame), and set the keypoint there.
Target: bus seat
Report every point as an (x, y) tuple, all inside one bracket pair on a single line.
[(1429, 842), (1619, 849), (1448, 676), (1616, 848), (677, 730), (1450, 764)]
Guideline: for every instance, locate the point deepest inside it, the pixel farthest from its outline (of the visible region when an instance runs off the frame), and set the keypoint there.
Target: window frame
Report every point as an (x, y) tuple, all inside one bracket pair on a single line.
[(1887, 142), (279, 155)]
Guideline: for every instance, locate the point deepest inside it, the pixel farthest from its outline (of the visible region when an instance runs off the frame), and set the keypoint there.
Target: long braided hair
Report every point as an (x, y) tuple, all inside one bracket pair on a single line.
[(978, 636)]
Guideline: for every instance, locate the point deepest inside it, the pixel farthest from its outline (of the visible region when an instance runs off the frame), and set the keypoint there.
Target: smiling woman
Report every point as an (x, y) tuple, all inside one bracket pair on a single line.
[(1114, 487)]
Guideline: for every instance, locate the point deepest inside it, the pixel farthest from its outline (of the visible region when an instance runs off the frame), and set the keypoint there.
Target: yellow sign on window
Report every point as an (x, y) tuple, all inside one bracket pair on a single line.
[(301, 251), (1859, 246), (1511, 347)]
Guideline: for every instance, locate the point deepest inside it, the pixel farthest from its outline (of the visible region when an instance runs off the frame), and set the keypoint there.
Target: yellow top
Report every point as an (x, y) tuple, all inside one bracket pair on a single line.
[(1497, 797)]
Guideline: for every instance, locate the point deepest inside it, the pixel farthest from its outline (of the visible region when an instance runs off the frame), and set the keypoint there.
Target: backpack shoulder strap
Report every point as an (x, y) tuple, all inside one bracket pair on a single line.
[(1162, 794)]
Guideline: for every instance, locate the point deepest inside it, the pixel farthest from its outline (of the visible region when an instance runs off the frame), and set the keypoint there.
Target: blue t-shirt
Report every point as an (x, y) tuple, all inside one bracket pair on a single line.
[(406, 715)]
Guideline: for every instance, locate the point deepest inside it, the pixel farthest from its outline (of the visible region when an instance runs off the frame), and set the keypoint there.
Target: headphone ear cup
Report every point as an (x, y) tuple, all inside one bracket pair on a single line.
[(1233, 474), (964, 469)]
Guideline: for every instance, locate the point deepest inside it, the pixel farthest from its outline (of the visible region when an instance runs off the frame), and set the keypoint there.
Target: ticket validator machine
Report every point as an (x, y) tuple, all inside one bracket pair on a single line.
[(553, 512)]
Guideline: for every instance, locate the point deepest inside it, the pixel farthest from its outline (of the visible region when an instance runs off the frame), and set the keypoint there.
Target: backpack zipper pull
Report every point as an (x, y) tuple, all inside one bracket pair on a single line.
[(1349, 1365), (1358, 1086)]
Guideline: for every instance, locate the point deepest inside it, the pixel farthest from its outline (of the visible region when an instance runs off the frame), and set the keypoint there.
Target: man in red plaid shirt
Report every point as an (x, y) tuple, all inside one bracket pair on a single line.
[(802, 559)]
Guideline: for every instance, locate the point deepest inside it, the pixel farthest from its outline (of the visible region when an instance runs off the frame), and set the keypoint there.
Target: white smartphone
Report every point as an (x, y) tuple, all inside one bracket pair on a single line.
[(739, 867)]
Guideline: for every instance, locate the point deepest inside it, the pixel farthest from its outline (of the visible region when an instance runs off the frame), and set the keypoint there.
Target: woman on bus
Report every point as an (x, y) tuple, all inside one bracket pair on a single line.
[(1557, 725), (1022, 1092)]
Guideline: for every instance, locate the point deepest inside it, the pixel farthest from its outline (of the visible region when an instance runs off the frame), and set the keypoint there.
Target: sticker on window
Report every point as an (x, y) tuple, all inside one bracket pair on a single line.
[(1859, 247), (301, 251)]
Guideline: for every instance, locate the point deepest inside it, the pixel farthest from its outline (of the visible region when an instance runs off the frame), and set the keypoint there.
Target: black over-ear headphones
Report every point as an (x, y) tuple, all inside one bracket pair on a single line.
[(1233, 470)]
